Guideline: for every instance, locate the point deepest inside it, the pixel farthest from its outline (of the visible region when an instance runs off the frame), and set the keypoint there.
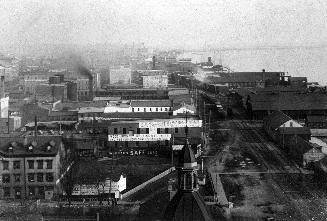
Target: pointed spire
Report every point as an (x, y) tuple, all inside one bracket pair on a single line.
[(186, 129)]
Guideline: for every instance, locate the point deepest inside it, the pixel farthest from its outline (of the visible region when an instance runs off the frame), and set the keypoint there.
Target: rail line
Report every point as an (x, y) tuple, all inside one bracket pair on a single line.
[(310, 203)]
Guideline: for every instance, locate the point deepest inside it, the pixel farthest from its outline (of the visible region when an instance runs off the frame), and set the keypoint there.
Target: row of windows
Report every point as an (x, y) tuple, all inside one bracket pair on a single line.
[(83, 93), (137, 143), (49, 177), (154, 109), (39, 163), (31, 164), (31, 191), (138, 130)]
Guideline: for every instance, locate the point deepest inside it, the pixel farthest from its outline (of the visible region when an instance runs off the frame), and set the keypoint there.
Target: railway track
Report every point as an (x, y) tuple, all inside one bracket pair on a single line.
[(310, 203)]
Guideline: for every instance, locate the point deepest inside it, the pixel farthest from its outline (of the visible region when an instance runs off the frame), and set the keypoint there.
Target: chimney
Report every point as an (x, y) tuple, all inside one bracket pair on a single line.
[(153, 62), (2, 85), (209, 60)]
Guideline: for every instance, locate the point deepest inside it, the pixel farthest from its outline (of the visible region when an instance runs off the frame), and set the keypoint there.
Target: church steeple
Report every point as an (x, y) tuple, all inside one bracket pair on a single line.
[(187, 170), (187, 203)]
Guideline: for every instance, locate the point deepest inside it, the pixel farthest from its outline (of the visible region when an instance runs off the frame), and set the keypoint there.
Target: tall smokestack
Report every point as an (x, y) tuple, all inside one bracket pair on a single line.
[(85, 72), (2, 85), (153, 62)]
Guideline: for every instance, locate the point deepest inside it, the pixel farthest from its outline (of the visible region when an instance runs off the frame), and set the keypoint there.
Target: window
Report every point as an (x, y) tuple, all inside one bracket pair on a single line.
[(31, 191), (18, 192), (147, 130), (150, 109), (176, 130), (166, 131), (17, 164), (40, 164), (30, 164), (166, 109), (158, 130), (49, 164), (49, 177), (138, 130), (41, 190), (124, 130), (157, 109), (6, 192), (6, 178), (144, 109), (39, 177), (132, 109), (115, 131), (291, 124), (17, 178), (138, 109), (5, 165), (30, 177)]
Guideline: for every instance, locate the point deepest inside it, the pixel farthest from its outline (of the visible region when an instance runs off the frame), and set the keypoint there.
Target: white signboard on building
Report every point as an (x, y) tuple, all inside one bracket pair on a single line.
[(171, 123), (139, 137), (178, 147)]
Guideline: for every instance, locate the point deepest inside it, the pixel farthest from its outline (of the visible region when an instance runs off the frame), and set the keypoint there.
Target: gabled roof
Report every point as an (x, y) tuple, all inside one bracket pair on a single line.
[(187, 106), (276, 119)]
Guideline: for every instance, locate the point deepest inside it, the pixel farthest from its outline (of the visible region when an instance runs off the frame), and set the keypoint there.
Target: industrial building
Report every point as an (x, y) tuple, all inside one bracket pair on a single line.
[(154, 136), (281, 128)]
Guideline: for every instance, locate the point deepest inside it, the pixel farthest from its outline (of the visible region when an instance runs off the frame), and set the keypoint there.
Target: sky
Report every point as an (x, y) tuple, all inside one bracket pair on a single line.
[(165, 23)]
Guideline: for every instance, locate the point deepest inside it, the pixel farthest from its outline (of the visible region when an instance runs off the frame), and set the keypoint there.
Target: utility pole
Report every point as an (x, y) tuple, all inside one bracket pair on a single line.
[(172, 149), (204, 116), (209, 119), (8, 122)]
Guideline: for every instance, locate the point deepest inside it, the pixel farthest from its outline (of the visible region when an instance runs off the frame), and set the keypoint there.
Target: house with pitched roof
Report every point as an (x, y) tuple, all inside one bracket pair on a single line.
[(280, 127)]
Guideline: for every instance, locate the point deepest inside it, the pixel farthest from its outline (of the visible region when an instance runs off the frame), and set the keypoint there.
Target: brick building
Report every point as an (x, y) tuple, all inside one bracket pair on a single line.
[(30, 166)]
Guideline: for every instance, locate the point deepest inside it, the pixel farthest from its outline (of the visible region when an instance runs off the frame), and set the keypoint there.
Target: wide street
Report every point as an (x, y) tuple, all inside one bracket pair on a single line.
[(257, 176)]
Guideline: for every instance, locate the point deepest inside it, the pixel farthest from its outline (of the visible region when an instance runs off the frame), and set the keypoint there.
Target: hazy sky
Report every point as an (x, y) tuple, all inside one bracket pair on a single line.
[(165, 23)]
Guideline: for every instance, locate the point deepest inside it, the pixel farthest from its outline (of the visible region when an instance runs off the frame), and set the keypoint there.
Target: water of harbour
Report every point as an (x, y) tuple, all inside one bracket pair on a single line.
[(308, 62)]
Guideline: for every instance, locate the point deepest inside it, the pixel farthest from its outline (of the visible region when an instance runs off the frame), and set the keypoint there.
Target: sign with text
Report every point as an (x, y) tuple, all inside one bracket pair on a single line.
[(171, 123), (139, 137)]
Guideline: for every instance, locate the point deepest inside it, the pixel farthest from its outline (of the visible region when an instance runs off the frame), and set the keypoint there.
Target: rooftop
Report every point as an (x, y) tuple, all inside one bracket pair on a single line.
[(150, 103), (30, 146), (276, 119), (287, 101)]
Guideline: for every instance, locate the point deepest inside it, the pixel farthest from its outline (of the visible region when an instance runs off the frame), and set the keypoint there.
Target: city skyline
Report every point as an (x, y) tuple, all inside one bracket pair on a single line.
[(165, 24)]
